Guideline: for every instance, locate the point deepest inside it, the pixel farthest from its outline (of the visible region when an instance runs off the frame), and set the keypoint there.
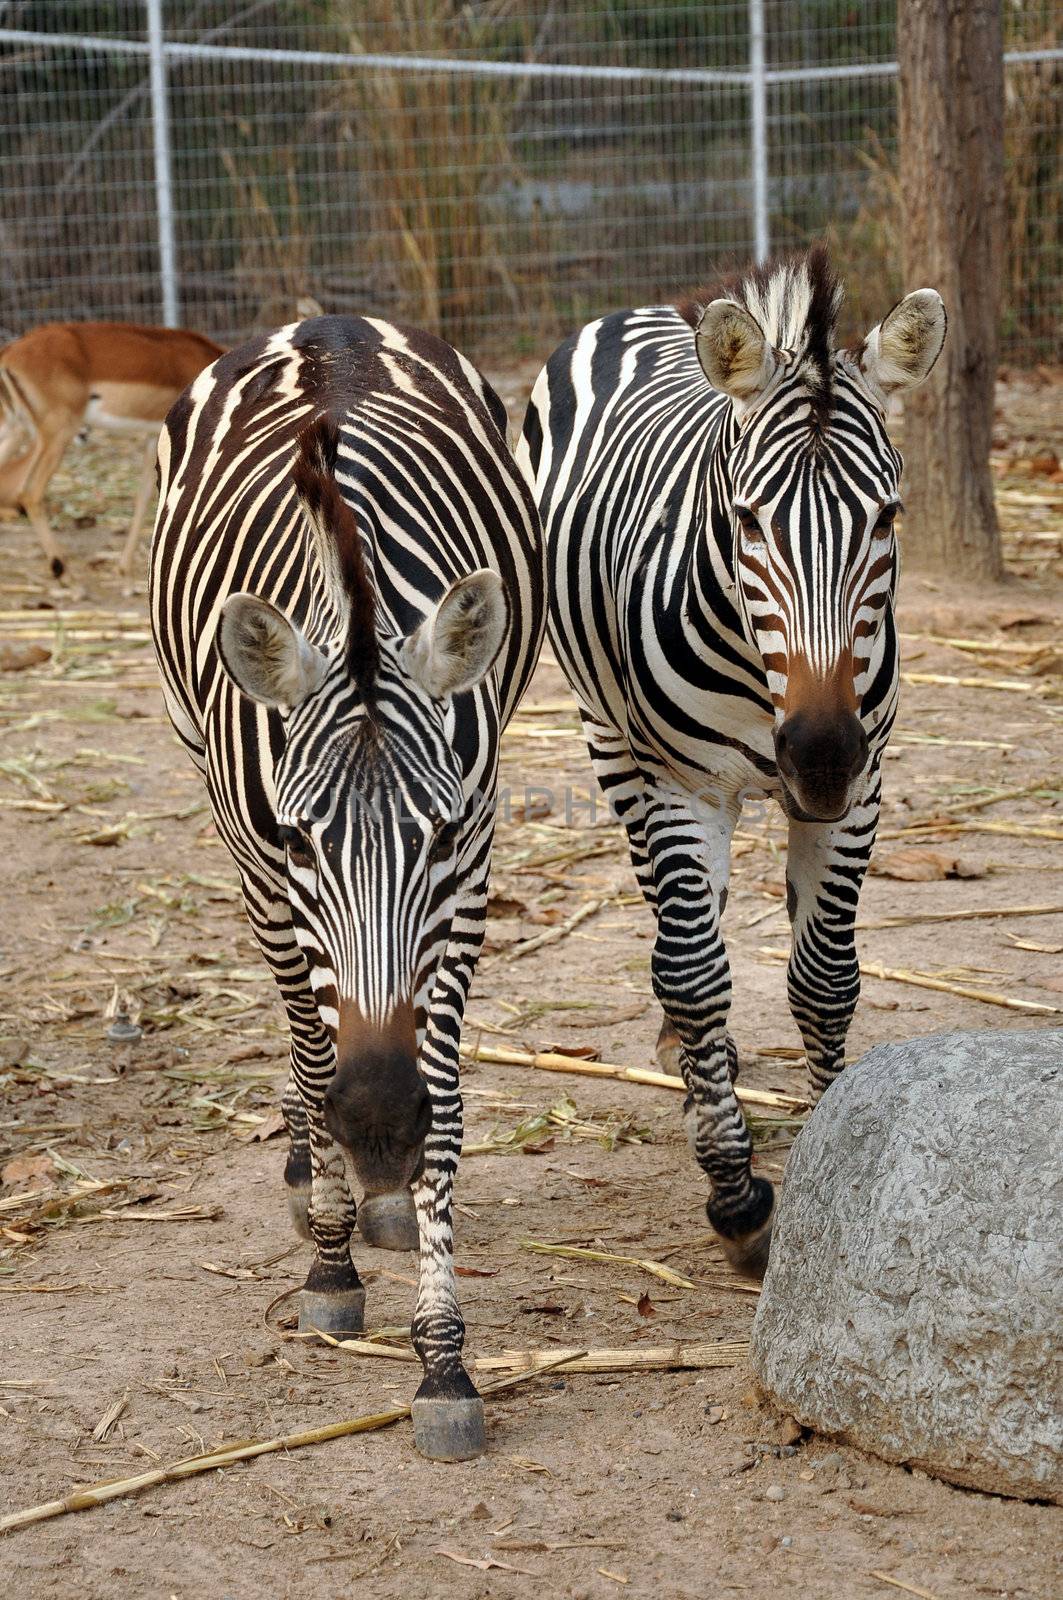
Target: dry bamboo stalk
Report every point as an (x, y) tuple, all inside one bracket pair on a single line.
[(924, 980), (1013, 830), (899, 1583), (365, 1347), (949, 680), (548, 1061), (975, 913), (675, 1357), (1003, 646), (958, 807), (575, 1252), (98, 1493), (551, 936)]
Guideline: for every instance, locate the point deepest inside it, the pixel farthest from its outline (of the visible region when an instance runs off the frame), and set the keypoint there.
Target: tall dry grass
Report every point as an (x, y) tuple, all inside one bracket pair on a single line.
[(432, 149)]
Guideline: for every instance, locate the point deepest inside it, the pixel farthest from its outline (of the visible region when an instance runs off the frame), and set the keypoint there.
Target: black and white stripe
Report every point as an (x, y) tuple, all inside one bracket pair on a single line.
[(344, 546), (718, 493)]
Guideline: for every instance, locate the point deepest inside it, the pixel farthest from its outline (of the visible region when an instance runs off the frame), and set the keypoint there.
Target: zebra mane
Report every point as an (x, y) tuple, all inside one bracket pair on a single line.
[(338, 546), (795, 300)]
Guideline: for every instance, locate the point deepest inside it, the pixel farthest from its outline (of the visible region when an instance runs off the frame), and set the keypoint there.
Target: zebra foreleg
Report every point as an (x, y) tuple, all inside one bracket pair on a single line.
[(448, 1414), (692, 980), (297, 1166), (332, 1299), (825, 869)]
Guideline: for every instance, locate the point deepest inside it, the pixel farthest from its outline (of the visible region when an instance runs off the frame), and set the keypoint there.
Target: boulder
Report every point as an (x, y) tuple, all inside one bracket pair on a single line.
[(913, 1302)]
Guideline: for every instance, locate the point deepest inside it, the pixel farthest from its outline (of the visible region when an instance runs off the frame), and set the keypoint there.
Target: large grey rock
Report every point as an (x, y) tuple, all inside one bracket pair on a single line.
[(913, 1303)]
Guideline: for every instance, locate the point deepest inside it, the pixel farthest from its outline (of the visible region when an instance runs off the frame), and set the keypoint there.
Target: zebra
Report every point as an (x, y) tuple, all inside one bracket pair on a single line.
[(347, 591), (718, 493)]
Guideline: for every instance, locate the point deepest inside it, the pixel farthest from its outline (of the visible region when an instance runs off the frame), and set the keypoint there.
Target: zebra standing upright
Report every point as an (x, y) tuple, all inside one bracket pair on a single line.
[(344, 550), (718, 493)]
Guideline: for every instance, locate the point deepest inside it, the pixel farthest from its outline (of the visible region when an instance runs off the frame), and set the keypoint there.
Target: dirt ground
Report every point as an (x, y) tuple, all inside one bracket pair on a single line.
[(145, 1253)]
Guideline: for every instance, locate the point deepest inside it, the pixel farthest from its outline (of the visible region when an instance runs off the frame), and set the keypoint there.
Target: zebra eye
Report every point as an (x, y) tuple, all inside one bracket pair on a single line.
[(886, 518), (748, 522), (297, 845)]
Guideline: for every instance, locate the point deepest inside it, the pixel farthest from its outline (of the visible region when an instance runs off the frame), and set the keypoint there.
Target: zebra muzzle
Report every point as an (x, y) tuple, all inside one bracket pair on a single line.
[(819, 758)]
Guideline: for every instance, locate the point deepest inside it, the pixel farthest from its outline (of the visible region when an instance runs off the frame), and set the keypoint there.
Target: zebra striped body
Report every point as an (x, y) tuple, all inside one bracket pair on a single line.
[(311, 601), (721, 568)]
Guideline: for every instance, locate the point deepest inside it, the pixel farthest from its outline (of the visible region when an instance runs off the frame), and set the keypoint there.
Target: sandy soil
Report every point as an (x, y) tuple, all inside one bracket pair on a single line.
[(165, 1286)]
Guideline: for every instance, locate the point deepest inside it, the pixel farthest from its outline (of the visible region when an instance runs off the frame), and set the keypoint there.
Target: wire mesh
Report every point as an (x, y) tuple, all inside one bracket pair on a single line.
[(500, 170)]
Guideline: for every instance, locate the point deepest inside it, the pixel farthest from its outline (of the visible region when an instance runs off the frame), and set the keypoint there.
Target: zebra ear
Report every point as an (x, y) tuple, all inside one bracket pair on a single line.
[(734, 352), (264, 654), (456, 644), (900, 352)]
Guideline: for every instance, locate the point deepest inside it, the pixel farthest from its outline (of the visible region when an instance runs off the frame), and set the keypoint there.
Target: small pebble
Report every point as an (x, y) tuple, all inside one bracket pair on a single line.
[(790, 1431), (714, 1414), (775, 1491), (787, 1541)]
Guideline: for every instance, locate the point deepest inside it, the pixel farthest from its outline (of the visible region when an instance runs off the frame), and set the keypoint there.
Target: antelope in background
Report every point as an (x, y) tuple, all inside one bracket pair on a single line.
[(66, 376)]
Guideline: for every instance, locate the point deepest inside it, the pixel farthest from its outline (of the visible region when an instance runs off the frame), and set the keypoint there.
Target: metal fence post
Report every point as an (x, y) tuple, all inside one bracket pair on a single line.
[(160, 122), (758, 117)]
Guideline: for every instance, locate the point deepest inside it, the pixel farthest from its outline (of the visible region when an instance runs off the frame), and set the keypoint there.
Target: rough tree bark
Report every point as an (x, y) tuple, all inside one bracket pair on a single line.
[(951, 142)]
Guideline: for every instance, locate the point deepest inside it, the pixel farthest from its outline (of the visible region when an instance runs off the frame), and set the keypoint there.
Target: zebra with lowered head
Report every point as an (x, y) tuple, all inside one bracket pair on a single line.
[(718, 493), (347, 598)]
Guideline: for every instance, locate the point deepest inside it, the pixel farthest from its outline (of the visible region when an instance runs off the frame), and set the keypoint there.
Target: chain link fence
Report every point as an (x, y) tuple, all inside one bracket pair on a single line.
[(499, 170)]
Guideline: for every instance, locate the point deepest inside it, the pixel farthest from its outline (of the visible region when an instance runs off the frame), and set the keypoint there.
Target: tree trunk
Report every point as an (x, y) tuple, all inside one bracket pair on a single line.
[(951, 141)]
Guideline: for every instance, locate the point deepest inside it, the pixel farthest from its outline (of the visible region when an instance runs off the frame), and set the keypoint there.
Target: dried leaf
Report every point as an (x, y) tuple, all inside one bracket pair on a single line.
[(501, 905), (916, 865), (578, 1052), (476, 1272), (646, 1307), (268, 1127), (17, 657), (26, 1169)]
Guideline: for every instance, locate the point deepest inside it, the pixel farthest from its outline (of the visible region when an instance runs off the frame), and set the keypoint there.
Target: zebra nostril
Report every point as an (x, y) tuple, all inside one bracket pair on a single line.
[(422, 1117), (861, 752)]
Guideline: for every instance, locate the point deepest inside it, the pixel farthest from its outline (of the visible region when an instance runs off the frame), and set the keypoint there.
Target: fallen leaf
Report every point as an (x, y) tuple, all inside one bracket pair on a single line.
[(547, 917), (24, 1169), (1022, 619), (268, 1127), (531, 810), (578, 1052), (481, 1563), (865, 1509), (916, 865), (645, 1306), (547, 1309), (1032, 944), (501, 905), (17, 657), (539, 1147), (476, 1272), (1045, 464)]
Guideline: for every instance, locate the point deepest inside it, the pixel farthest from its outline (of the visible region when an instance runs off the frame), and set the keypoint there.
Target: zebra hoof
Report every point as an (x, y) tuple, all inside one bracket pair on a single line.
[(747, 1250), (389, 1221), (341, 1314), (299, 1209), (749, 1254), (450, 1430)]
